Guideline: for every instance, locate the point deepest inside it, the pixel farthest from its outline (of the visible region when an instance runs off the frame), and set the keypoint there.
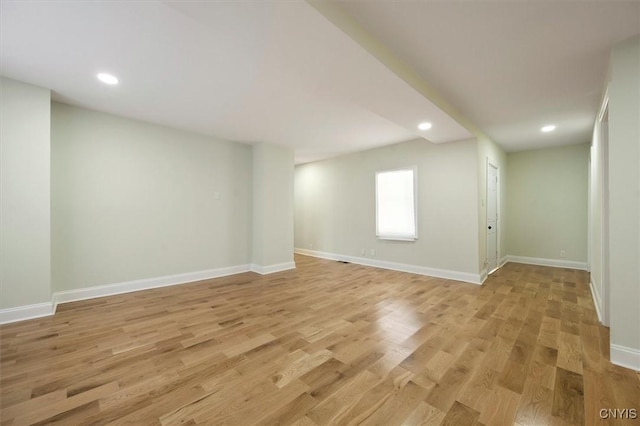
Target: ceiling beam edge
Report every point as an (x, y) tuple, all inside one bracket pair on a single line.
[(345, 23)]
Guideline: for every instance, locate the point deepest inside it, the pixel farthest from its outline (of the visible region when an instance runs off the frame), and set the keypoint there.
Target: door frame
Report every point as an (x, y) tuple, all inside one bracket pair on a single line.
[(494, 164), (604, 213)]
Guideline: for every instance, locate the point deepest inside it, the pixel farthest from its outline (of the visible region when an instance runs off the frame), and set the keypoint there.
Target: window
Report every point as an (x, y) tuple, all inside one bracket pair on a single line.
[(396, 204)]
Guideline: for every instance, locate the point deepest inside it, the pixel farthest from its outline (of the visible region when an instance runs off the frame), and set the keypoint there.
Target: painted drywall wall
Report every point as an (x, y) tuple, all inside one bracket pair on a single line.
[(489, 151), (132, 200), (272, 247), (335, 205), (25, 195), (547, 203), (624, 203)]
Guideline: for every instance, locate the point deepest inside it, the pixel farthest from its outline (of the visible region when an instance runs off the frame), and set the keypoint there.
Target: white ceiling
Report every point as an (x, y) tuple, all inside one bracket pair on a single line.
[(275, 72), (280, 72), (508, 66)]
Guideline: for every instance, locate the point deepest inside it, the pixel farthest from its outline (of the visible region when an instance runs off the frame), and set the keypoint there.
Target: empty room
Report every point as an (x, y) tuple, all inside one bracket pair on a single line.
[(320, 212)]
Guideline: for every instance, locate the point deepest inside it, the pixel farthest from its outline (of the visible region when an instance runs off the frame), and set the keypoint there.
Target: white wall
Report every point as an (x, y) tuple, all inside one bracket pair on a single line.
[(272, 243), (624, 203), (335, 205), (25, 244), (597, 267), (547, 192), (133, 200), (488, 150)]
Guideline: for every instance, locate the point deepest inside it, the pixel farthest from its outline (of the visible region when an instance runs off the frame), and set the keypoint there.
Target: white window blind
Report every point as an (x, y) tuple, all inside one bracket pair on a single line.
[(396, 204)]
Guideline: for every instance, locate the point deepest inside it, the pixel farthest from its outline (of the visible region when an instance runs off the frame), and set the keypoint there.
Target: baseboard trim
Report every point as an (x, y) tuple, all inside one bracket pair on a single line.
[(503, 261), (402, 267), (270, 269), (143, 284), (26, 312), (22, 313), (318, 254), (484, 275), (597, 301), (625, 357), (570, 264)]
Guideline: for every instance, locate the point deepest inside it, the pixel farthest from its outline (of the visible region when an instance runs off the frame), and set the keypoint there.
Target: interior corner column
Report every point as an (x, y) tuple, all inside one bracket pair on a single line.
[(624, 204), (272, 240), (25, 205)]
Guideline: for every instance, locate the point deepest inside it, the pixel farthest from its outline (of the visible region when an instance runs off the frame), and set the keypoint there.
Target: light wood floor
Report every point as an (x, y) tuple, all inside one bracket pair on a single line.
[(328, 343)]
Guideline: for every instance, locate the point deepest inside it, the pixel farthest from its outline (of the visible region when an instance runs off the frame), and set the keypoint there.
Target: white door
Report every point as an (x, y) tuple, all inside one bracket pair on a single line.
[(492, 218)]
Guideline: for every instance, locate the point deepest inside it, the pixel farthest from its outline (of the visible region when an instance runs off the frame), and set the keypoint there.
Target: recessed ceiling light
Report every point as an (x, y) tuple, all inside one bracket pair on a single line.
[(108, 78), (424, 126), (548, 128)]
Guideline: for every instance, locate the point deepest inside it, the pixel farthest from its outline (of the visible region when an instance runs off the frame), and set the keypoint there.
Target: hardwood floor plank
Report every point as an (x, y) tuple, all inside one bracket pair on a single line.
[(303, 365), (343, 399), (443, 395), (514, 374), (424, 415), (500, 408), (291, 412), (535, 405), (597, 395), (479, 388), (52, 398), (44, 412), (401, 406), (625, 387), (460, 415), (326, 343), (570, 352), (568, 397), (376, 397)]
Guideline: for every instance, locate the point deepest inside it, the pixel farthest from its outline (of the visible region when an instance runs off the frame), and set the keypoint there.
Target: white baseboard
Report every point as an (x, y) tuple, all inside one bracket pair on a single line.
[(318, 254), (270, 269), (144, 284), (485, 272), (556, 263), (22, 313), (483, 275), (402, 267), (625, 357), (597, 301)]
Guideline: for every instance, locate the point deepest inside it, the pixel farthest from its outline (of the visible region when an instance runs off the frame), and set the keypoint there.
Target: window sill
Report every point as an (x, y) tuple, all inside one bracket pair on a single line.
[(407, 239)]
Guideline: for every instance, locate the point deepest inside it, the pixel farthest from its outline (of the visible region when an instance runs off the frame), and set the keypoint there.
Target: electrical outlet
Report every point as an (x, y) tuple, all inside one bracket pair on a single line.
[(372, 252), (563, 253), (216, 195), (363, 252), (310, 245)]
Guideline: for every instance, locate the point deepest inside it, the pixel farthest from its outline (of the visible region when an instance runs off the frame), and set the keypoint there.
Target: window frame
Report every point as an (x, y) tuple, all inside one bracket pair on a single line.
[(414, 170)]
